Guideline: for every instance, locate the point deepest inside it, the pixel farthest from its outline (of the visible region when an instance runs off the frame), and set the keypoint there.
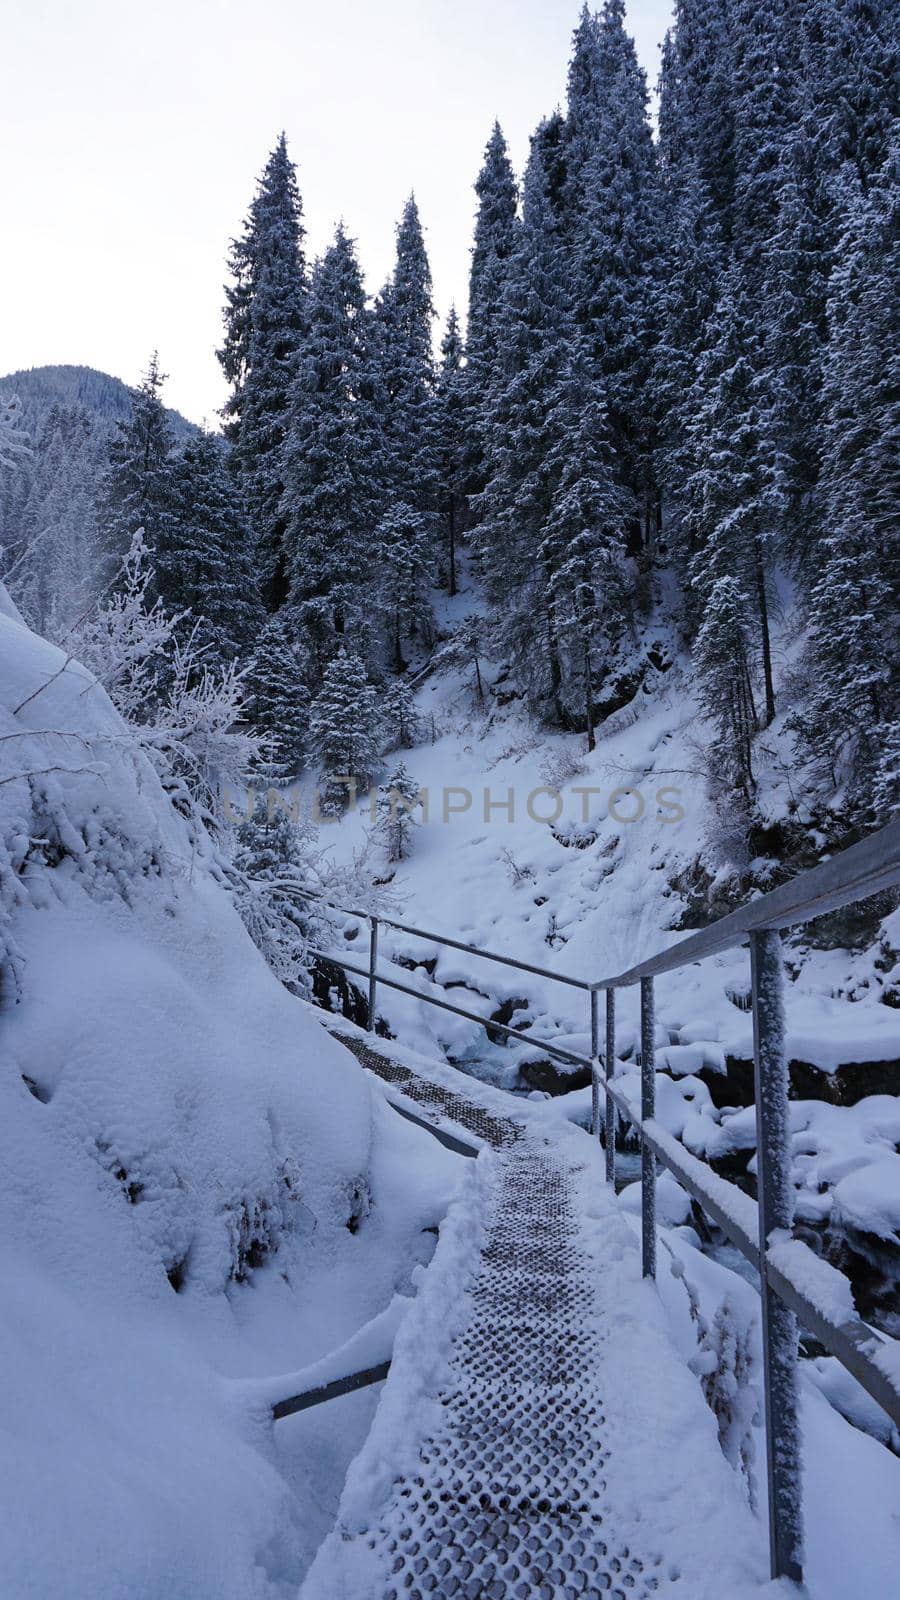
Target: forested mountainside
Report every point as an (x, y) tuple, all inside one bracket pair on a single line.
[(60, 423), (674, 402), (106, 399), (642, 515)]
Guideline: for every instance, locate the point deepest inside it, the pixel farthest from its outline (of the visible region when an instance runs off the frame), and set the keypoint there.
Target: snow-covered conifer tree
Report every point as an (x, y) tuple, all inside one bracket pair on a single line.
[(136, 491), (612, 208), (450, 427), (722, 664), (343, 728), (401, 572), (264, 322), (403, 343), (397, 805), (400, 719), (734, 506), (495, 235), (204, 563), (333, 459), (275, 697)]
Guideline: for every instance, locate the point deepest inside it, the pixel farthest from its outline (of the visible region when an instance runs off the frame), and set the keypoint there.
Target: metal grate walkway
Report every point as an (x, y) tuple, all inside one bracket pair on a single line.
[(467, 1113), (509, 1496)]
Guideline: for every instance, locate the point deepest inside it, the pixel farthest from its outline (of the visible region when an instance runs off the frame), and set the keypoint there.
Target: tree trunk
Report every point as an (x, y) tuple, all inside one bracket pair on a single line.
[(763, 603), (451, 587), (589, 695)]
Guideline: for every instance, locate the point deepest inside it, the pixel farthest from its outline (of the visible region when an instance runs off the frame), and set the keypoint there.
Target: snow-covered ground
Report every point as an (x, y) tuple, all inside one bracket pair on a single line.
[(201, 1190), (197, 1185), (593, 892)]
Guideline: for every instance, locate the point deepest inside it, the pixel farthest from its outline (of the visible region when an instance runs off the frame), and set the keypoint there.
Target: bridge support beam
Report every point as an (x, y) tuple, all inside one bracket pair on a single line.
[(776, 1213), (373, 960), (609, 1066), (648, 1111), (595, 1064)]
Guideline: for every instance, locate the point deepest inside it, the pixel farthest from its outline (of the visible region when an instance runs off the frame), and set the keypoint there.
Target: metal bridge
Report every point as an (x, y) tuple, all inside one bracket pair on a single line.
[(510, 1494)]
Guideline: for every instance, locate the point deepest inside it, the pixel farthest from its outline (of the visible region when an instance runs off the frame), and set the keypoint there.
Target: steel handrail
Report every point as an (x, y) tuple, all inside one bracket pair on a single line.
[(863, 869), (755, 1227), (570, 1057), (438, 938)]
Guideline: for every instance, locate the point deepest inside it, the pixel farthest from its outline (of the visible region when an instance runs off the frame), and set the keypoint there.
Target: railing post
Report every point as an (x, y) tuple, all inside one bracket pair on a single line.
[(776, 1211), (373, 957), (648, 1110), (609, 1064), (595, 1066)]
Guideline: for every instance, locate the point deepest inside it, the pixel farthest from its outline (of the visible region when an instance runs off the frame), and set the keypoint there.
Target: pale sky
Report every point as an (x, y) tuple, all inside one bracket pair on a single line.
[(133, 133)]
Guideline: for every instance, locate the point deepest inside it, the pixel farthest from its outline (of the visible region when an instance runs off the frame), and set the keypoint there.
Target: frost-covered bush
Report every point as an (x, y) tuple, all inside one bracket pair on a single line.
[(183, 713)]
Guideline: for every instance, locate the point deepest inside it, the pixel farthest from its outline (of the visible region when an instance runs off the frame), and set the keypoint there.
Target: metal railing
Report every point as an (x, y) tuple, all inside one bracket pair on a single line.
[(373, 978), (794, 1282)]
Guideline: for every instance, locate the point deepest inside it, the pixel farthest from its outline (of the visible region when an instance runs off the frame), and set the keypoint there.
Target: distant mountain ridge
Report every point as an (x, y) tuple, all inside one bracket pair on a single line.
[(107, 399)]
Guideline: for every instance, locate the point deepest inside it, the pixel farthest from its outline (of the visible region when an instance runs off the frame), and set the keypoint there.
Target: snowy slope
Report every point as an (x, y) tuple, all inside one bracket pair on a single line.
[(598, 889), (196, 1184)]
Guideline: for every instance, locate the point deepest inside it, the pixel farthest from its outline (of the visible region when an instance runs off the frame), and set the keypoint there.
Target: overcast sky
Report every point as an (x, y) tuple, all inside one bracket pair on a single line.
[(132, 135)]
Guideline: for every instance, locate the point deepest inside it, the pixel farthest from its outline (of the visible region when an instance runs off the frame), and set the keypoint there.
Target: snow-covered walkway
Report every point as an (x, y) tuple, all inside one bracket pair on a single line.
[(538, 1434)]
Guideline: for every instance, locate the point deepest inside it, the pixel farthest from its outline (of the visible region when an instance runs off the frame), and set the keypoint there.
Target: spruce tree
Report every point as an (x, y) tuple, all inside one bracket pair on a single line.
[(613, 214), (275, 699), (450, 433), (733, 492), (400, 720), (583, 548), (397, 820), (854, 600), (401, 558), (264, 323), (496, 229), (334, 459), (852, 57), (402, 334), (860, 484), (850, 681), (696, 108), (136, 490), (688, 303), (763, 43), (534, 339), (343, 728), (722, 665), (204, 564)]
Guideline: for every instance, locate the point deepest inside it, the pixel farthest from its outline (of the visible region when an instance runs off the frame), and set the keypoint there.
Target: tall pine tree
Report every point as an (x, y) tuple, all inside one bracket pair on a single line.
[(333, 462), (450, 434), (136, 490), (204, 563), (496, 229), (264, 323), (343, 730), (403, 340)]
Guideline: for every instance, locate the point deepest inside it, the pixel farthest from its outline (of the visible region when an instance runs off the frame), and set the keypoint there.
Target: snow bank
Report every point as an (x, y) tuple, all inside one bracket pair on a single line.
[(869, 1200), (195, 1181)]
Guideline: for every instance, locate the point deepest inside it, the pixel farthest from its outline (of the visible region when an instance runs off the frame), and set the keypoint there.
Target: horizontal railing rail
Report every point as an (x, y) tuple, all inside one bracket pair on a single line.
[(853, 874), (442, 938), (569, 1057), (794, 1283)]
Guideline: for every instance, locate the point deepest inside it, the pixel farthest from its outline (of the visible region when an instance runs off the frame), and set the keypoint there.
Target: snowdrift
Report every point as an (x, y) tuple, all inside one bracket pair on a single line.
[(181, 1146)]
